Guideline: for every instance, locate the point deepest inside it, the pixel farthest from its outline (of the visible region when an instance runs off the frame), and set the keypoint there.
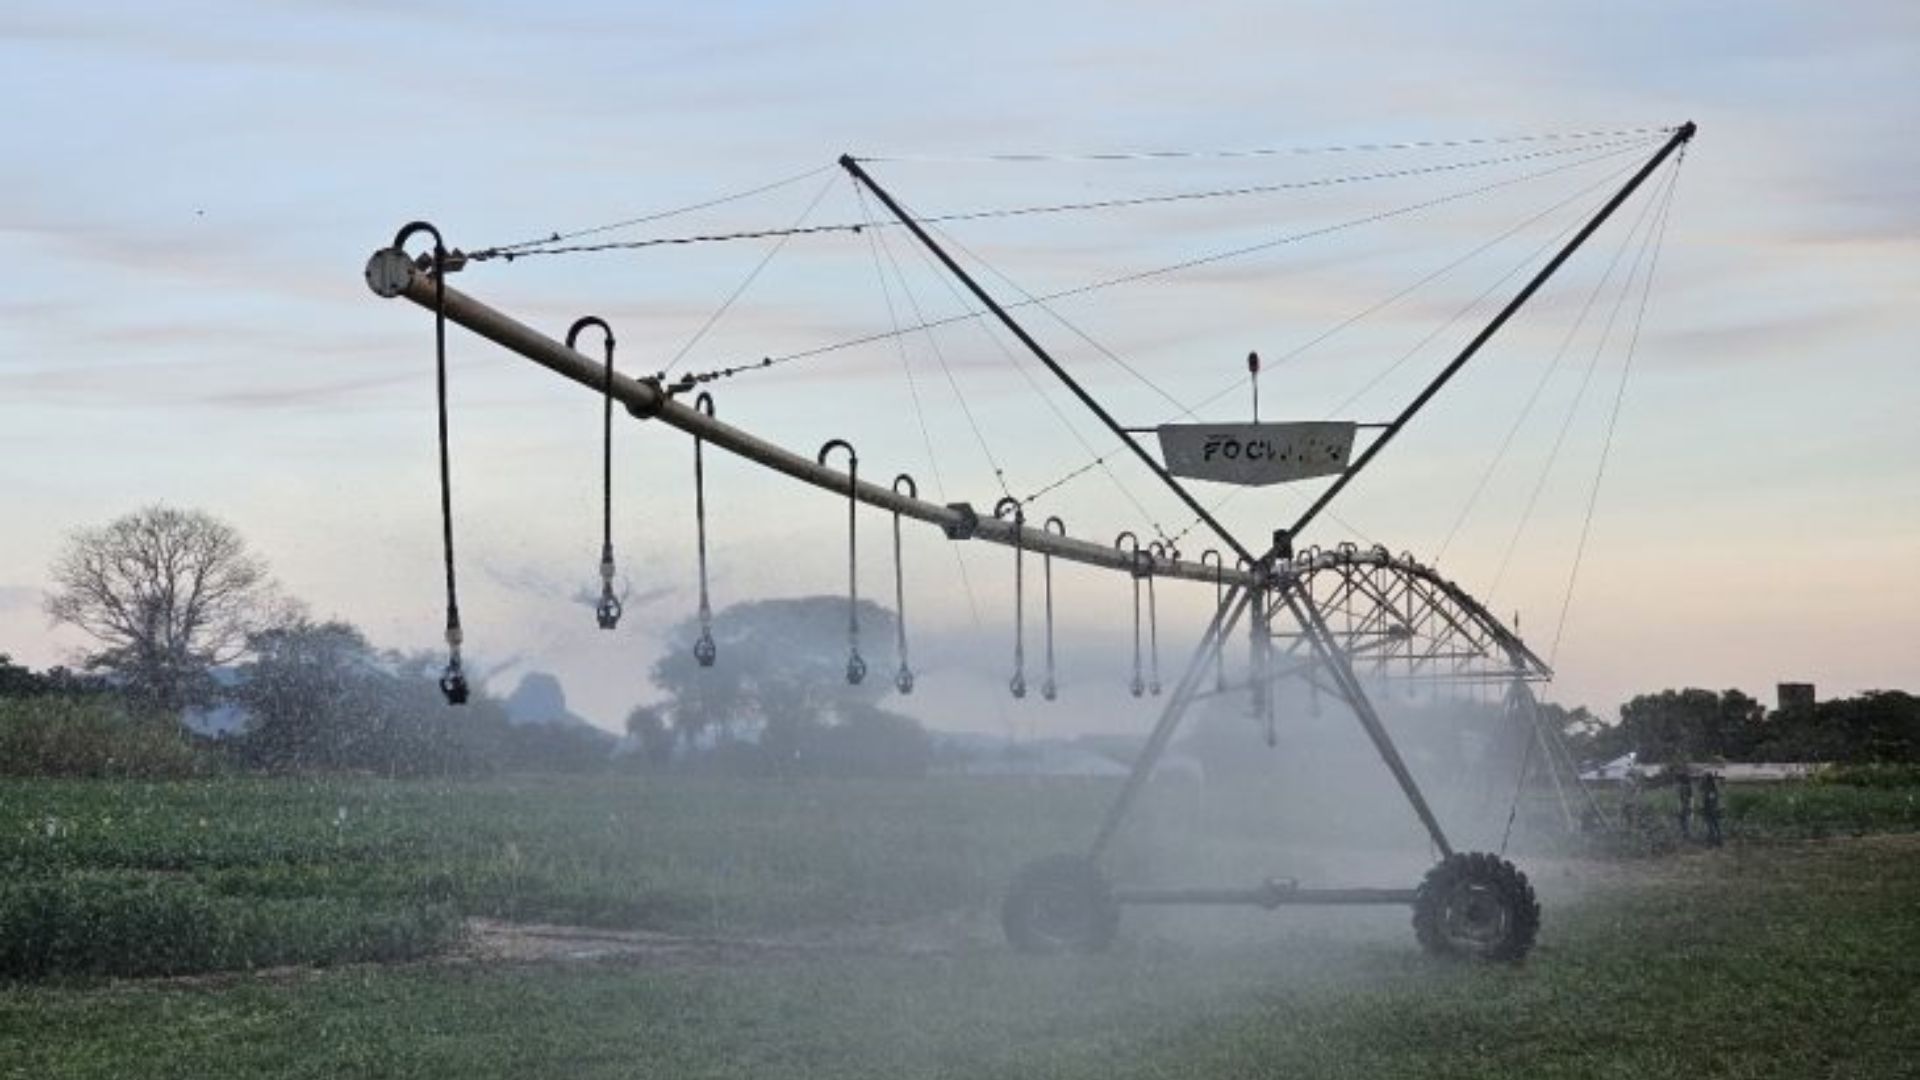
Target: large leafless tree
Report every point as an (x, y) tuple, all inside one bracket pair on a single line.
[(168, 594)]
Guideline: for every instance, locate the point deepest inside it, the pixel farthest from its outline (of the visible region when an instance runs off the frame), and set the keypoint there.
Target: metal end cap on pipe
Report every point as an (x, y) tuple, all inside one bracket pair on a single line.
[(389, 272)]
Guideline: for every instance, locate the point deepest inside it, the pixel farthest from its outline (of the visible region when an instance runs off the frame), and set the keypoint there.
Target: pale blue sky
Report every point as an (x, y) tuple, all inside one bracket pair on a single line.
[(188, 192)]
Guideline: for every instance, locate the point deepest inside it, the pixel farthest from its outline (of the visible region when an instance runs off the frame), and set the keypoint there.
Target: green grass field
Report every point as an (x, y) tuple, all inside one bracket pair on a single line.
[(852, 935), (134, 862)]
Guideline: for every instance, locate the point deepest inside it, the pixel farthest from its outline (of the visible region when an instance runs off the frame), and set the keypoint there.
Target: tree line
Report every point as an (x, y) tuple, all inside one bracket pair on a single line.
[(185, 620), (1693, 725), (184, 616)]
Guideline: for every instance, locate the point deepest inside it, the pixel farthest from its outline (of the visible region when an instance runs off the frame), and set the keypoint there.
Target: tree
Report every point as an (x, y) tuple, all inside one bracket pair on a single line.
[(1691, 724), (1883, 725), (782, 665), (649, 728), (1877, 726), (313, 695), (868, 742), (168, 595), (781, 673), (318, 697), (17, 681)]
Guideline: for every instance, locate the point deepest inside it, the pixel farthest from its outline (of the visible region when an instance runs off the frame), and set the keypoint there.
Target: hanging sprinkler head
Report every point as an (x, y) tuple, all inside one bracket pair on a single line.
[(1219, 603), (382, 274), (1155, 552), (1130, 543), (856, 667), (453, 680), (453, 683), (606, 613), (1050, 690), (1010, 508), (903, 678), (704, 650)]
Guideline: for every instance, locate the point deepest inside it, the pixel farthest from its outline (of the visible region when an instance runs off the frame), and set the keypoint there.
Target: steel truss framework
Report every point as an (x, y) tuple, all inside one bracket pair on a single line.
[(1330, 616), (1397, 618)]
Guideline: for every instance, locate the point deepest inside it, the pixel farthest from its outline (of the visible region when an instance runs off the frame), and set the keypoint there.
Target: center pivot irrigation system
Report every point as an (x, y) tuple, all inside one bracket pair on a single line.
[(1329, 617)]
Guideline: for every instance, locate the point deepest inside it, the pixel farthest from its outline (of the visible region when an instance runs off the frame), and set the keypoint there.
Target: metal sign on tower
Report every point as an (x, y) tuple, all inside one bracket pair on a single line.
[(1255, 455)]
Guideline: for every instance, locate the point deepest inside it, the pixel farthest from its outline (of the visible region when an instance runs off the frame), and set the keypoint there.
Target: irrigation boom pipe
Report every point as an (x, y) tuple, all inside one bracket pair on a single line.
[(391, 273)]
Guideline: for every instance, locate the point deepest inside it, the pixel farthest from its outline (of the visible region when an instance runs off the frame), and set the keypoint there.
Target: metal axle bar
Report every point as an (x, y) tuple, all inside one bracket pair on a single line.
[(648, 401), (1267, 894)]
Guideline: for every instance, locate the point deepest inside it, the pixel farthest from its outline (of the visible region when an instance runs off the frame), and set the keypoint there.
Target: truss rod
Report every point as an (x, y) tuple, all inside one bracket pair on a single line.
[(1040, 353), (1334, 660), (391, 273), (1681, 136)]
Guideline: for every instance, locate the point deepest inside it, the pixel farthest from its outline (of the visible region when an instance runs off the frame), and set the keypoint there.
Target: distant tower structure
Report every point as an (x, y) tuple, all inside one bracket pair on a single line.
[(1795, 697)]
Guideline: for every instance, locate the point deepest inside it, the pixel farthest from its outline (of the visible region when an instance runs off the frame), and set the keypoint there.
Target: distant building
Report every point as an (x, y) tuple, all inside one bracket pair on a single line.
[(1795, 697), (1733, 772)]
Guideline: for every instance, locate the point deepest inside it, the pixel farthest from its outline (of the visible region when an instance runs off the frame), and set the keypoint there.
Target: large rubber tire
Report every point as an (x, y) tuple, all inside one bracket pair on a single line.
[(1061, 903), (1477, 906)]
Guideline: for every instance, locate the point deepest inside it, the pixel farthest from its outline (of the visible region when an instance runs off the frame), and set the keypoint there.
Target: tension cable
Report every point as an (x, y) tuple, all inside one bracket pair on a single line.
[(747, 282), (1619, 397), (1375, 308), (879, 247), (555, 245), (1177, 267), (1284, 151), (933, 458), (514, 250), (1014, 361), (1586, 378), (1427, 279)]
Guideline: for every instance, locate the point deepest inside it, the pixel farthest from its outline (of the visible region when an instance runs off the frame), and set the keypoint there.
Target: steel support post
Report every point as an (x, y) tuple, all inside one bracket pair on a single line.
[(1334, 658), (1175, 710)]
